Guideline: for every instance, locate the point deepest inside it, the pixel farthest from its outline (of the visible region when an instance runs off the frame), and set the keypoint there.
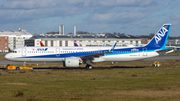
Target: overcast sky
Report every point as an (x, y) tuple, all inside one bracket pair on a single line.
[(135, 17)]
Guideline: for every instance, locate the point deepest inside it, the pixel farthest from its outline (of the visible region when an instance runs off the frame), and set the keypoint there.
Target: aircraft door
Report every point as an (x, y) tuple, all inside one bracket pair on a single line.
[(144, 51), (23, 52), (57, 52)]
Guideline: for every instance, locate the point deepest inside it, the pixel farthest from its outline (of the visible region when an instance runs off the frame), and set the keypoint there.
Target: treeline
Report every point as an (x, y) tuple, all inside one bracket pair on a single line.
[(120, 34)]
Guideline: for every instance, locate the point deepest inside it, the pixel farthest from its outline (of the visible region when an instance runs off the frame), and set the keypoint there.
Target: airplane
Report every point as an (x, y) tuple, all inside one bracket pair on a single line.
[(74, 56)]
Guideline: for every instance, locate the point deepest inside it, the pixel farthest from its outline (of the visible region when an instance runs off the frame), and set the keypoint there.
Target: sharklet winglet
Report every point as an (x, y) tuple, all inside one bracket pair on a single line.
[(112, 49)]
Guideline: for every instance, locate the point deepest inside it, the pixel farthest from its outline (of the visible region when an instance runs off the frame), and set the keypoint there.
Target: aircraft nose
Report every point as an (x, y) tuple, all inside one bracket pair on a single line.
[(7, 56)]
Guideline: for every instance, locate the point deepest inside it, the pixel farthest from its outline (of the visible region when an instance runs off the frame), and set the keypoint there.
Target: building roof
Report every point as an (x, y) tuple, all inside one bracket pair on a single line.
[(20, 32)]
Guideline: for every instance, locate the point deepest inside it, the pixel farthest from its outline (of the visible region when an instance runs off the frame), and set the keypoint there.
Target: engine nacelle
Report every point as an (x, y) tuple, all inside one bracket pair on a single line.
[(71, 62)]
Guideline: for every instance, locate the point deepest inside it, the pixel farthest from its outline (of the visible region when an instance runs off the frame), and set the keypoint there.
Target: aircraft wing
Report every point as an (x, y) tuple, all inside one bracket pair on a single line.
[(91, 57), (98, 54)]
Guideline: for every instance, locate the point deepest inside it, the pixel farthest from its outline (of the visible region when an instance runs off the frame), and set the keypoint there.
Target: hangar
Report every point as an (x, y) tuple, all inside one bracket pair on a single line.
[(83, 40)]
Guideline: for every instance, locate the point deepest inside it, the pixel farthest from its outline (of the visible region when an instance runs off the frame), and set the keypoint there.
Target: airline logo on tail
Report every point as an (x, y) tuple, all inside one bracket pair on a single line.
[(161, 34), (42, 45), (75, 44)]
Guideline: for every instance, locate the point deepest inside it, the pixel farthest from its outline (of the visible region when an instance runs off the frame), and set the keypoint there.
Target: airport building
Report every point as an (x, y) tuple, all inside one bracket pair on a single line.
[(62, 39), (173, 42), (83, 40), (15, 38), (4, 44)]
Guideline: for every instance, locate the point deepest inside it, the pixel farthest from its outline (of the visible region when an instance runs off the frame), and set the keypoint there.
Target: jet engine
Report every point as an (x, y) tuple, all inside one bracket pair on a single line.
[(71, 62)]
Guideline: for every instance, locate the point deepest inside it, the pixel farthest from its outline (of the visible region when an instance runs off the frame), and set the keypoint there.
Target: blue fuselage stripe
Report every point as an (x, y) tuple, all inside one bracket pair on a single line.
[(80, 54)]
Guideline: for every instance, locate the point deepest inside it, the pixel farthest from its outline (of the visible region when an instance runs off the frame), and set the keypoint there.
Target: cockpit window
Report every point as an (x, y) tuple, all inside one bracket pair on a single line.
[(13, 51)]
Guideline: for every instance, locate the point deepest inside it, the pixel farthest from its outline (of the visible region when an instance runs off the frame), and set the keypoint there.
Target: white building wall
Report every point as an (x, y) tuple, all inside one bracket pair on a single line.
[(92, 42), (57, 43), (49, 43), (37, 42), (11, 43), (16, 39), (63, 42), (71, 43), (173, 41), (43, 42)]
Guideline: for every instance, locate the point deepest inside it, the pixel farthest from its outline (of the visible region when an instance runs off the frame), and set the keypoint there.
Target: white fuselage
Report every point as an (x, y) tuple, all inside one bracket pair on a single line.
[(56, 54)]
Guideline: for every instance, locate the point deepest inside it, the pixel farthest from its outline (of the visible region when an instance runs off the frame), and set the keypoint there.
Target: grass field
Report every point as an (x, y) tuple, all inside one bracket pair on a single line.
[(143, 84), (2, 57), (122, 81)]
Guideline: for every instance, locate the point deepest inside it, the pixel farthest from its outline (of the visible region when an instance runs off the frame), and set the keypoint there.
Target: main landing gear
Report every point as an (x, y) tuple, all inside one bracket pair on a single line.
[(88, 66)]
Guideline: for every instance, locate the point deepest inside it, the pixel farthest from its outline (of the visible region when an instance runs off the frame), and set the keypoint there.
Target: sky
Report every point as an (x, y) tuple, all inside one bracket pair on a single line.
[(134, 17)]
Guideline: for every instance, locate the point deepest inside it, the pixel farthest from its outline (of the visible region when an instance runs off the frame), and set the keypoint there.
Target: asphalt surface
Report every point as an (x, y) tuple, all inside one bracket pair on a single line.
[(164, 58), (9, 62)]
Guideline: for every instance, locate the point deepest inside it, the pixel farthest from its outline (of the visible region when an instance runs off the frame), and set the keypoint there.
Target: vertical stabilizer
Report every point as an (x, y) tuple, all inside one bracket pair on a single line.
[(75, 44), (42, 45), (160, 38)]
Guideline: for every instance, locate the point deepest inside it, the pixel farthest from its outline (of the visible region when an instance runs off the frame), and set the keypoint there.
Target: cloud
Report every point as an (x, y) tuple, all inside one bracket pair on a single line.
[(122, 17), (134, 3), (28, 4), (12, 11), (38, 4), (94, 15), (176, 19), (20, 10)]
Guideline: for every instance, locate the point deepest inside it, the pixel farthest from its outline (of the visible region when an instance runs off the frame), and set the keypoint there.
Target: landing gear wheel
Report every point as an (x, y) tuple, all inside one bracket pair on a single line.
[(89, 67), (17, 68)]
